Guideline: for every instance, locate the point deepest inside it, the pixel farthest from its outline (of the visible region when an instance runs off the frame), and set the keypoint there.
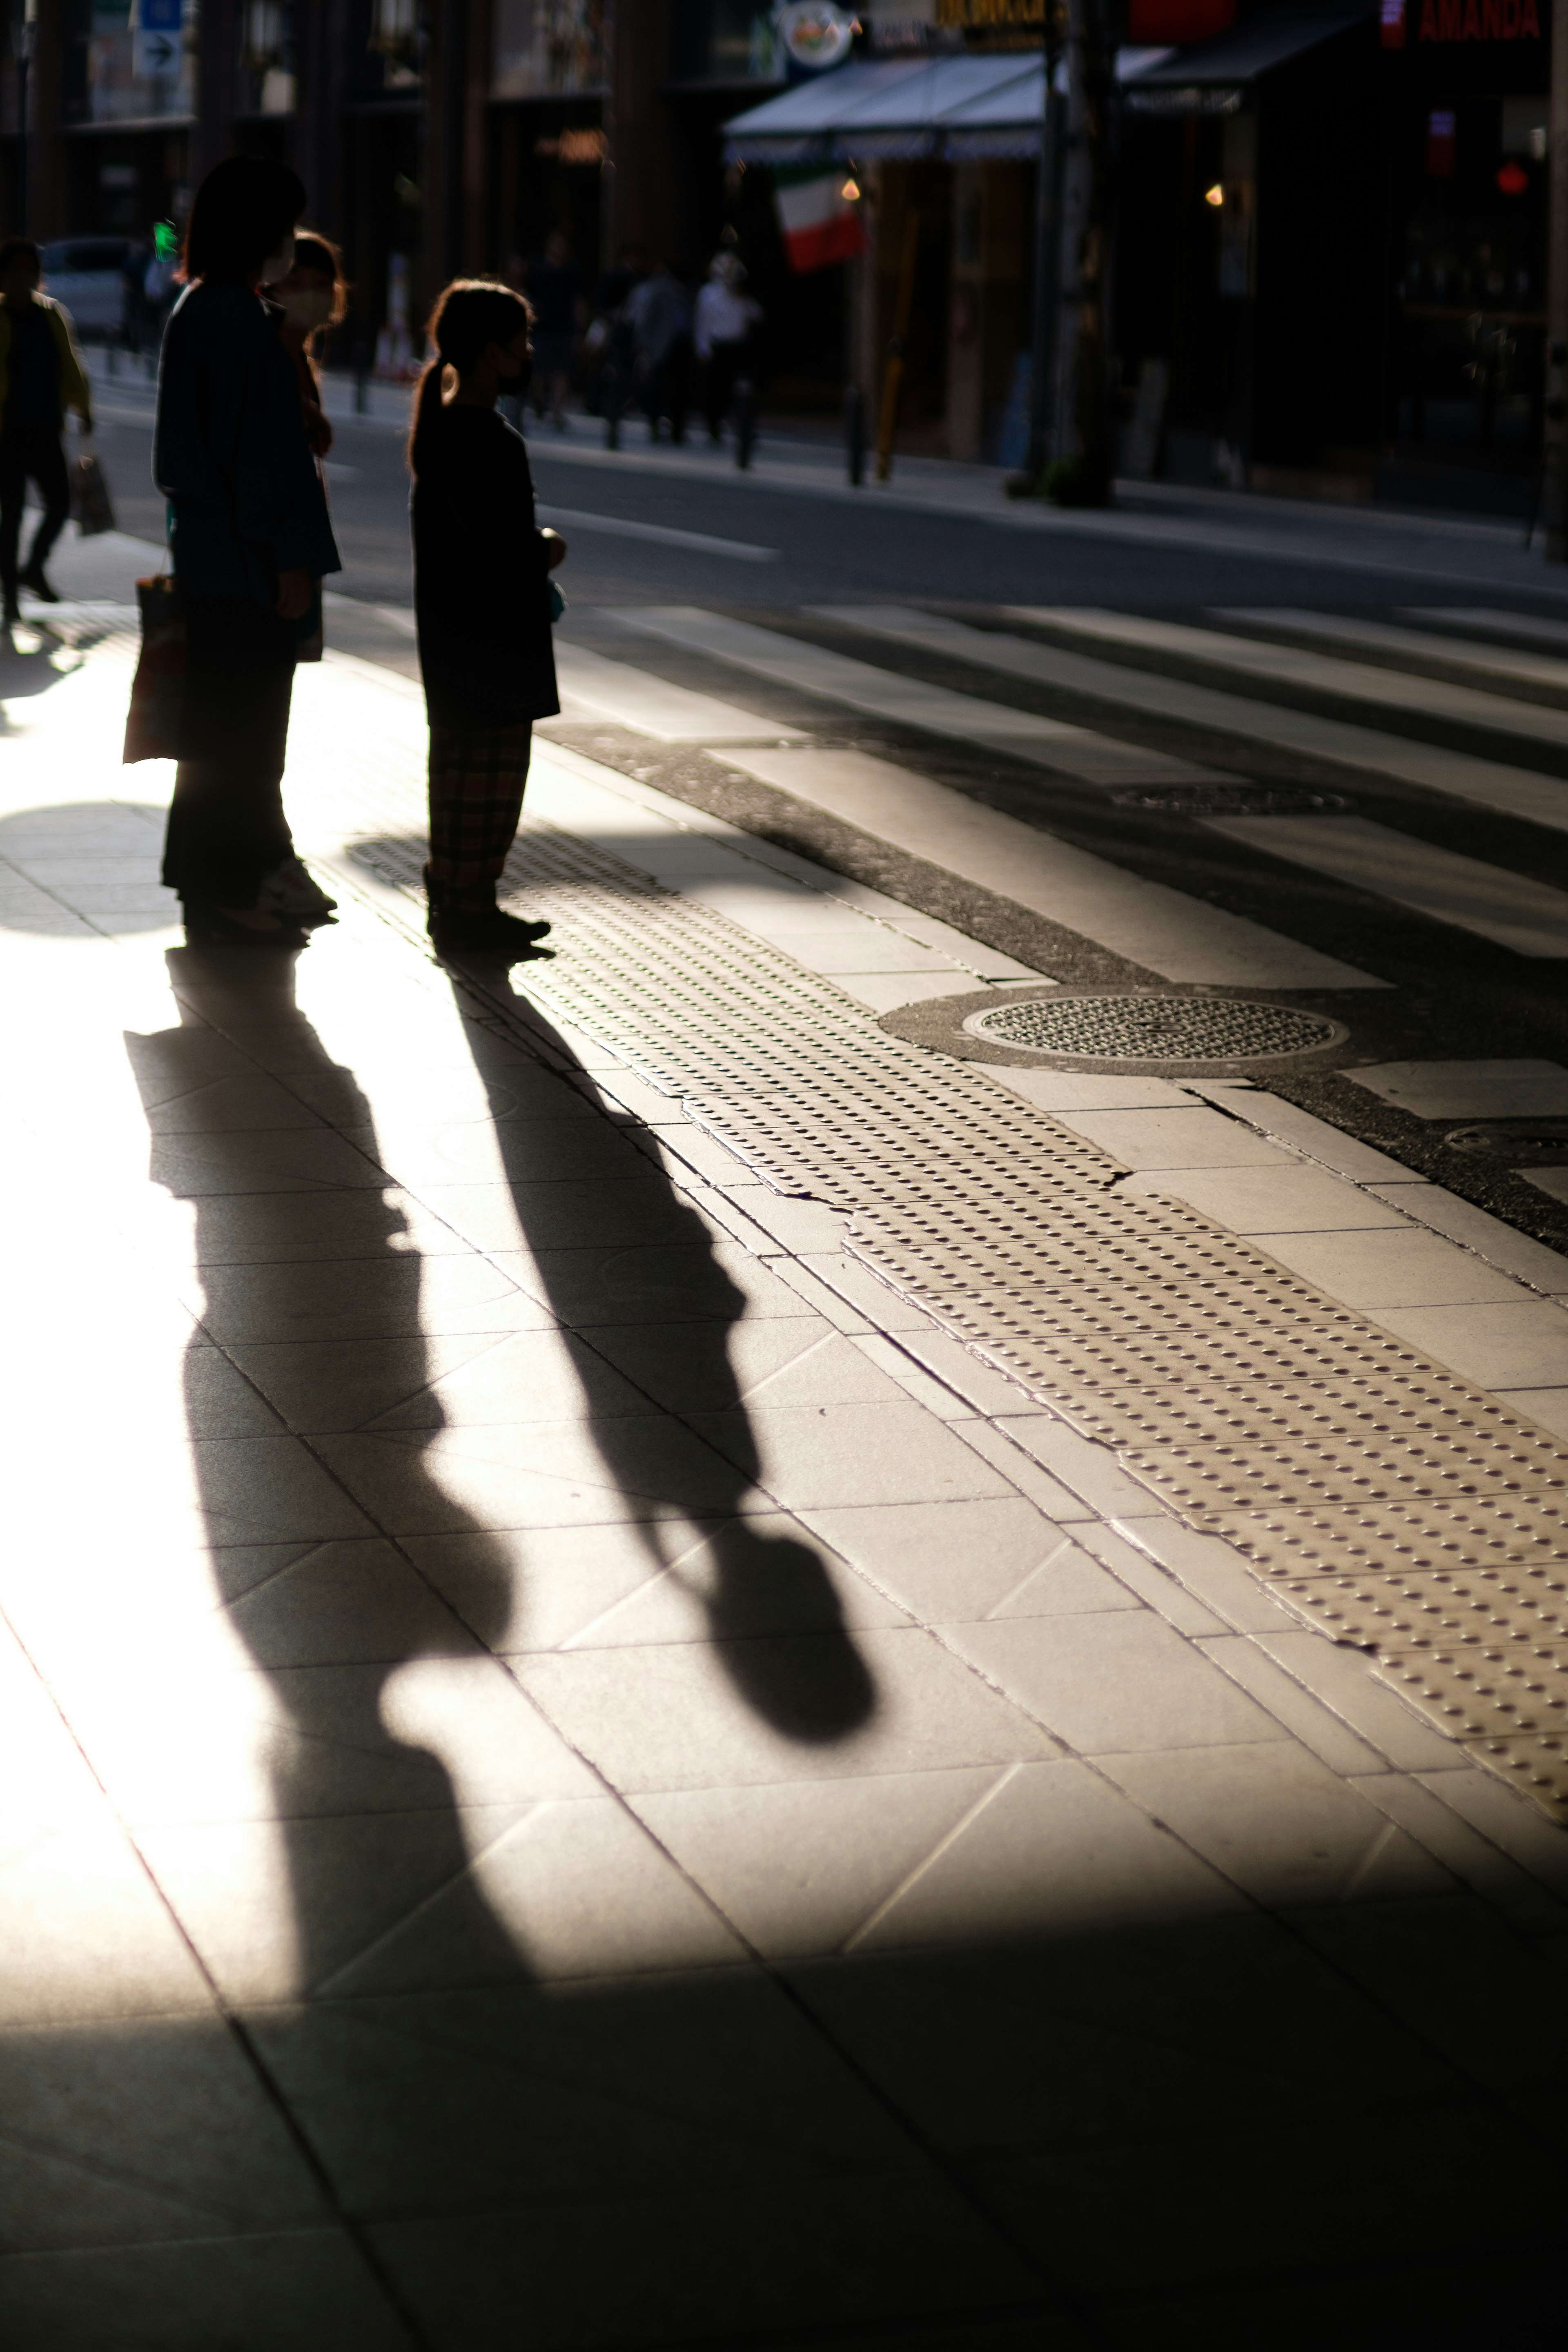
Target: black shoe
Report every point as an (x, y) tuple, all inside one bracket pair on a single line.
[(34, 581), (490, 933), (209, 926)]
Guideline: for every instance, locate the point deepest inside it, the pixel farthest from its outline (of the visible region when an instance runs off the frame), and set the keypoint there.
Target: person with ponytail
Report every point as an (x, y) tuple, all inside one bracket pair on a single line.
[(483, 605)]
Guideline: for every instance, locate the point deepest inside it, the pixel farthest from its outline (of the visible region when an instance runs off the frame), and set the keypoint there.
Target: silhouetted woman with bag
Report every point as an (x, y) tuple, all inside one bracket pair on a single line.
[(483, 604), (250, 536)]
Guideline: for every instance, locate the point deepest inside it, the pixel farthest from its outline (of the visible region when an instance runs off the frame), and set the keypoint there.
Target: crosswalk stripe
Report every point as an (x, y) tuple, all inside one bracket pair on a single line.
[(1490, 616), (881, 694), (1180, 938), (653, 706), (1528, 917), (1459, 652), (1320, 673), (1485, 783)]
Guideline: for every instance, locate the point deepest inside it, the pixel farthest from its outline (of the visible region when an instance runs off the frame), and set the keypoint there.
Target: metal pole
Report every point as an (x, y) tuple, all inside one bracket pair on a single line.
[(1048, 265), (1554, 454)]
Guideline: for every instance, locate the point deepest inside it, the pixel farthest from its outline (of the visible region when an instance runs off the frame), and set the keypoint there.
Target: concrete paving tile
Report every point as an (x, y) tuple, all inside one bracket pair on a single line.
[(131, 2132), (755, 1576), (1343, 1679), (544, 1884), (804, 1228), (369, 1298), (232, 1105), (640, 1212), (980, 1384), (1053, 1852), (677, 1283), (559, 1579), (1502, 1348), (1447, 2297), (310, 2289), (1122, 1679), (776, 1360), (1547, 1407), (870, 2247), (274, 1912), (1138, 1575), (535, 1473), (1553, 1181), (884, 993), (531, 1376), (810, 1456), (1474, 1860), (1281, 1823), (1499, 1814), (1460, 1978), (912, 1380), (348, 1604), (799, 1866), (270, 1490), (822, 1706), (1210, 1568), (1306, 1718), (307, 1228), (867, 948), (1502, 1246), (265, 1159), (1486, 1089), (1382, 1270), (87, 1937), (1272, 1199), (217, 1399), (1191, 1137), (858, 1290), (1087, 1469), (320, 1385), (1022, 1470), (1060, 1091), (526, 1148), (952, 1563)]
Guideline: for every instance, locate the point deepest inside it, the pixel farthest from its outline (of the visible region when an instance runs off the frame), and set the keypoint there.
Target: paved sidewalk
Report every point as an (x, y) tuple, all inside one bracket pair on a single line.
[(584, 1771)]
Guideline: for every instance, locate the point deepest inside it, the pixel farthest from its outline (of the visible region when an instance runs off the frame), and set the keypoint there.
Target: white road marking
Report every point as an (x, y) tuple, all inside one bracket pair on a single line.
[(1182, 938), (745, 551), (1490, 616), (1487, 783), (652, 706), (1459, 653), (1322, 673), (882, 694), (1527, 916)]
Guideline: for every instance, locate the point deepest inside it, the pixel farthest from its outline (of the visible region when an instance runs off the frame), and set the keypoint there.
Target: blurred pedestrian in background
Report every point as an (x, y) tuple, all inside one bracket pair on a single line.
[(41, 376), (659, 312), (249, 537), (607, 350), (727, 323), (555, 293), (483, 603)]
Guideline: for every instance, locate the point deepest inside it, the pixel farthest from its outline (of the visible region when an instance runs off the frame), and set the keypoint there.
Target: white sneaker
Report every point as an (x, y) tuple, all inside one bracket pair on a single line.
[(290, 889)]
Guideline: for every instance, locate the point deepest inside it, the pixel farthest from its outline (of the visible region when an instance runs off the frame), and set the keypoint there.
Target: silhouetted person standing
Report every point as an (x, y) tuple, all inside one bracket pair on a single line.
[(41, 376)]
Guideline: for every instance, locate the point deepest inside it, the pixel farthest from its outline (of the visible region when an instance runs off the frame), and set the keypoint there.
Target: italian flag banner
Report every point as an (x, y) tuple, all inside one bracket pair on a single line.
[(819, 222)]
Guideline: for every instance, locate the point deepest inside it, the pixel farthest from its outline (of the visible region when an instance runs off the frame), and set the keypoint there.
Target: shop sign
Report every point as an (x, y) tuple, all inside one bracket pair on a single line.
[(1449, 21), (815, 33), (988, 16)]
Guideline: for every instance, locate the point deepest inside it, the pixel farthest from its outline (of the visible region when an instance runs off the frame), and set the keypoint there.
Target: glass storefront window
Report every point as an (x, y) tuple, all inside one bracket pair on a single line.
[(548, 48), (727, 41)]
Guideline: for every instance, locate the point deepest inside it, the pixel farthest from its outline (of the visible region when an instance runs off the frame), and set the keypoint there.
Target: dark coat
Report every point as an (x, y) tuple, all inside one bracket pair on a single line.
[(229, 450), (481, 593)]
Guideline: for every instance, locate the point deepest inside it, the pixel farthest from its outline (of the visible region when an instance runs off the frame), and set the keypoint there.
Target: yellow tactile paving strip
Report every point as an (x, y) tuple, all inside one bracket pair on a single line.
[(1392, 1503)]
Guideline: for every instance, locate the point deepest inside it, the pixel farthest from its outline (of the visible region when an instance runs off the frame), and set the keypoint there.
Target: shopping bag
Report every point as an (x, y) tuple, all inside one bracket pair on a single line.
[(153, 724), (91, 504)]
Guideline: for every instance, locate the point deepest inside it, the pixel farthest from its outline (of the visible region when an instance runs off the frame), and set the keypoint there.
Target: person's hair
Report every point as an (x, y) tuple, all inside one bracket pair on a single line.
[(20, 249), (242, 211), (472, 314), (314, 251)]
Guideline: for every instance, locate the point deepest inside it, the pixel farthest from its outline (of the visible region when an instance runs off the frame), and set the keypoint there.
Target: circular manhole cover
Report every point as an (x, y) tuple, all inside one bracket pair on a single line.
[(1232, 800), (1522, 1142), (1148, 1028)]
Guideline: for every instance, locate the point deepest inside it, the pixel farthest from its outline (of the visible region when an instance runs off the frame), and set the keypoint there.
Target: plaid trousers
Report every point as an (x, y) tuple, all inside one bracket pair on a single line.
[(477, 780)]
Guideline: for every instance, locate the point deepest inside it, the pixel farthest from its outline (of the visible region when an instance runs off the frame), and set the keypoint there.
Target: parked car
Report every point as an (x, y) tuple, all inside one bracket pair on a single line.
[(88, 274)]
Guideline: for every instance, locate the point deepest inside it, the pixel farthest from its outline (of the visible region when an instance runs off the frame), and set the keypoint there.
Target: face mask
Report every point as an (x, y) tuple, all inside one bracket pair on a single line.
[(278, 265), (307, 307)]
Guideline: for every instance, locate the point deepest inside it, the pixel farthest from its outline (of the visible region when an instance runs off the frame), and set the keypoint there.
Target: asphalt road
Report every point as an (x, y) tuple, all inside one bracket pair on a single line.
[(660, 528)]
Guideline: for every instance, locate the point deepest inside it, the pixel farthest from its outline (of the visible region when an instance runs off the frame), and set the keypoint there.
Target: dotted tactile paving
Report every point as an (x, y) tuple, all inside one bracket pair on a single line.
[(1392, 1503)]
